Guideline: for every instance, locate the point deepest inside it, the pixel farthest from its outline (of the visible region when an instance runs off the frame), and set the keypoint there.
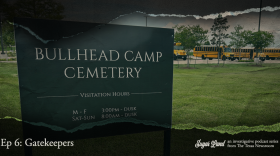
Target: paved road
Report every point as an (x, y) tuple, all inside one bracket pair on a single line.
[(195, 60)]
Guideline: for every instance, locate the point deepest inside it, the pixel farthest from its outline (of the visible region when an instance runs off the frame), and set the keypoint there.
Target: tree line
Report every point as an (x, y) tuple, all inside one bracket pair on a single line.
[(192, 36), (43, 9)]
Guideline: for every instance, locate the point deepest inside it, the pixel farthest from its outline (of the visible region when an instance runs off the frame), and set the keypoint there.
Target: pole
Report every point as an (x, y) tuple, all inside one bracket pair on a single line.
[(177, 60), (167, 138), (260, 15), (188, 57), (1, 35), (27, 149), (219, 55), (195, 59), (207, 57), (146, 20)]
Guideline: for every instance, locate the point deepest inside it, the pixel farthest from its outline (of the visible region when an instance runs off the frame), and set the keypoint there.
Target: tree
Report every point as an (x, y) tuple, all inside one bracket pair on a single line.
[(259, 39), (199, 34), (190, 36), (207, 43), (237, 38), (218, 33), (8, 34), (4, 8), (43, 9)]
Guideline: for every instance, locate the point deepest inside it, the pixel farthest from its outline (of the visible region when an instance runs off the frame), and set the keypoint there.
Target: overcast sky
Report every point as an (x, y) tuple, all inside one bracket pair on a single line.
[(103, 11)]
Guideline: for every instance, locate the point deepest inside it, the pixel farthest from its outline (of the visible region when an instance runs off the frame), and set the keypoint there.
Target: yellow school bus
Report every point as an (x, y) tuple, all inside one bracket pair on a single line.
[(271, 53), (248, 52), (242, 52), (179, 52), (210, 51)]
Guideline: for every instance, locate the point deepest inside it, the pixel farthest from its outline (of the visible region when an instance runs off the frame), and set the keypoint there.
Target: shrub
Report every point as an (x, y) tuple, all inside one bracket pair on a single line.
[(245, 60), (12, 59), (11, 54)]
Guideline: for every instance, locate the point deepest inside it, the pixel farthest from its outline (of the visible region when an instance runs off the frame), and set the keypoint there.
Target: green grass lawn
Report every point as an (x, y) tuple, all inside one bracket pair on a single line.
[(235, 95), (9, 91)]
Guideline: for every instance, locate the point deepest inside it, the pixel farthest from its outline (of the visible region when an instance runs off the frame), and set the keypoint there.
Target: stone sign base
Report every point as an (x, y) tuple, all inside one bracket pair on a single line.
[(3, 56), (257, 60)]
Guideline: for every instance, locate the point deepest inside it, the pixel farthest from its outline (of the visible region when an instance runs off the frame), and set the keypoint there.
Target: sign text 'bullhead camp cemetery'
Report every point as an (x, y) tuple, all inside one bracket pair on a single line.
[(98, 72)]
